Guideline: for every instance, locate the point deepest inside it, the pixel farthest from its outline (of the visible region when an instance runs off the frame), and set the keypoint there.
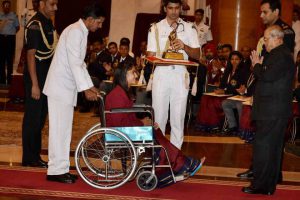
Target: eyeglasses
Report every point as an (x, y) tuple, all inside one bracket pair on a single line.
[(267, 38)]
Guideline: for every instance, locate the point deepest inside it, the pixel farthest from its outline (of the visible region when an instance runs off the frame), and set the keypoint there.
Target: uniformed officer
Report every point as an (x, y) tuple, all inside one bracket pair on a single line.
[(9, 26), (171, 83), (204, 32), (41, 39), (270, 15)]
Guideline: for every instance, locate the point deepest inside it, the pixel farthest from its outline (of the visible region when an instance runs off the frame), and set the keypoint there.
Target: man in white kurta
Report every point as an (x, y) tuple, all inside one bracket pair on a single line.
[(66, 77), (171, 83)]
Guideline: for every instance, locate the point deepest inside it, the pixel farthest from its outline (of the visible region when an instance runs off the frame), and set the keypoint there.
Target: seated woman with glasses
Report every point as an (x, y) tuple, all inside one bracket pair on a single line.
[(120, 97)]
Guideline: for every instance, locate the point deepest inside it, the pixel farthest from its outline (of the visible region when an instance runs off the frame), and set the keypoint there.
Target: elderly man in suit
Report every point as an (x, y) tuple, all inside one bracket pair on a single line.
[(272, 107), (67, 76)]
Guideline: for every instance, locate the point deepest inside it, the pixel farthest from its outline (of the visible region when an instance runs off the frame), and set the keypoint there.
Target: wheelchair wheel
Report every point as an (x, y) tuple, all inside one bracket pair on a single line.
[(105, 158), (146, 181), (96, 126)]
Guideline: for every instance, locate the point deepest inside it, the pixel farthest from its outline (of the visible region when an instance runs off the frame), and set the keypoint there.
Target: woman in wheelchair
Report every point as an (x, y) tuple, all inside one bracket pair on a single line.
[(120, 97)]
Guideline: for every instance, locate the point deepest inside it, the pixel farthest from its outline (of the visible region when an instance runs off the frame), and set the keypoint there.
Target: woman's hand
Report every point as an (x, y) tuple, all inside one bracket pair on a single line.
[(147, 121)]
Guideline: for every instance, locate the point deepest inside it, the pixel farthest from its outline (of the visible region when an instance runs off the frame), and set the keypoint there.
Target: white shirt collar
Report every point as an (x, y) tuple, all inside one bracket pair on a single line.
[(83, 26)]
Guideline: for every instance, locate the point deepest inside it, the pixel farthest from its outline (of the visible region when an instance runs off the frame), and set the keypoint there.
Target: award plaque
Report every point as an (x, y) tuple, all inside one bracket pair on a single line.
[(171, 53)]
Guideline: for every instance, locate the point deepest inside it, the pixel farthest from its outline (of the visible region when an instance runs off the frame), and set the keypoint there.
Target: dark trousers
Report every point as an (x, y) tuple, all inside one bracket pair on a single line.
[(7, 52), (33, 123), (268, 152)]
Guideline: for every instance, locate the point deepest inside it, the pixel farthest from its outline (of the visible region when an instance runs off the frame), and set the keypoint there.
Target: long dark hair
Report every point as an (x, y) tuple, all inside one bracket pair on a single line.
[(120, 76), (238, 54)]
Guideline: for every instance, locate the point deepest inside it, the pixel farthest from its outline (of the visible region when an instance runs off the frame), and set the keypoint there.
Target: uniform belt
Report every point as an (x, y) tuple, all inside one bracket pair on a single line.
[(173, 67)]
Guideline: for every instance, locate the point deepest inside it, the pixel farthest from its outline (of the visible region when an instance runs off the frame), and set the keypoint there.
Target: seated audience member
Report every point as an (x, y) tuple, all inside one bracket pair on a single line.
[(100, 68), (144, 69), (114, 53), (229, 105), (126, 40), (214, 65), (120, 97), (233, 76), (226, 50), (141, 63), (246, 52), (124, 54)]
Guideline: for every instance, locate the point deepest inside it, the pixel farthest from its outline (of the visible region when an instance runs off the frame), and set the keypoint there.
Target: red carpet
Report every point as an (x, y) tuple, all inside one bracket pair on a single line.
[(31, 182)]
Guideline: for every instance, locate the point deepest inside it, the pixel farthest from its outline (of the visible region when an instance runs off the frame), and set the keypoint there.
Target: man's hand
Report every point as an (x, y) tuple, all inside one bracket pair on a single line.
[(177, 44), (241, 90), (35, 92), (92, 94), (255, 58)]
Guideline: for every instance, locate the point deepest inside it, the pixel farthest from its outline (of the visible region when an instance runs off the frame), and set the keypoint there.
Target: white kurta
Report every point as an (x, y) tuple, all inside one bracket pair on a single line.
[(66, 77), (169, 82)]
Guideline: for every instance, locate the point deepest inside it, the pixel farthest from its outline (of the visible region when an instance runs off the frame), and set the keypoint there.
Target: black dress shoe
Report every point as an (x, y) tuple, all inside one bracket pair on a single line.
[(246, 175), (230, 131), (215, 130), (72, 176), (39, 163), (62, 178), (252, 190)]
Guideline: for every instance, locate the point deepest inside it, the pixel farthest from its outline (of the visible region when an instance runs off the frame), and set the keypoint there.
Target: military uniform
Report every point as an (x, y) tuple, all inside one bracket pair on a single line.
[(204, 33), (9, 24), (171, 83), (36, 110)]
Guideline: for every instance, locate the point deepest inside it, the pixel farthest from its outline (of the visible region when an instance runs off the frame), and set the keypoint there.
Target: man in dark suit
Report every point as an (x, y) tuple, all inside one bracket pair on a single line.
[(272, 107), (124, 52), (100, 69), (270, 15)]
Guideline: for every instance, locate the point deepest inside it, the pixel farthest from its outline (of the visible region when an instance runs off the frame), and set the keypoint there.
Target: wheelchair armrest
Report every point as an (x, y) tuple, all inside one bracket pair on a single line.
[(147, 109), (141, 106)]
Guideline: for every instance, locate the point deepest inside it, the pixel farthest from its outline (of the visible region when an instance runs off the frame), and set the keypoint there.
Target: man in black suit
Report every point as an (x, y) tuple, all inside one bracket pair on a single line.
[(272, 107), (100, 69), (270, 15), (124, 54)]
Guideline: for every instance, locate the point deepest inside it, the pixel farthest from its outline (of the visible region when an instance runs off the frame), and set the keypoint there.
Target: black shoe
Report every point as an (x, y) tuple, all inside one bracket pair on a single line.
[(252, 190), (246, 175), (62, 178), (215, 130), (39, 163), (230, 131), (72, 176)]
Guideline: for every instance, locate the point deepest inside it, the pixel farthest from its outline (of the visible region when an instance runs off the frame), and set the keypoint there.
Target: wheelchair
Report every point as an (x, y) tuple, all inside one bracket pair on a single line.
[(107, 158)]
